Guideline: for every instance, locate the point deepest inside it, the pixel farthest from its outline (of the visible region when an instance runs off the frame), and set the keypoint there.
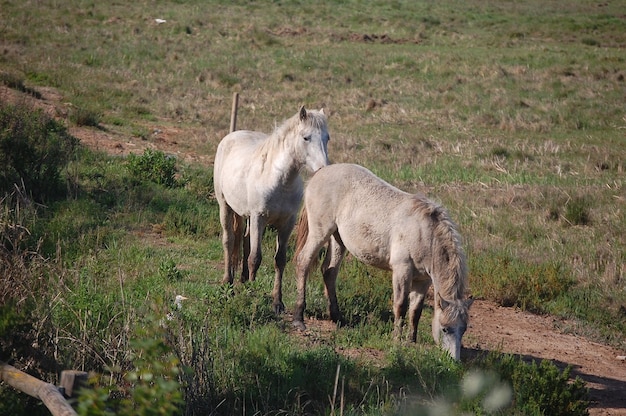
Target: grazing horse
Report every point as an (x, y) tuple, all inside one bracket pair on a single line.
[(347, 207), (257, 176)]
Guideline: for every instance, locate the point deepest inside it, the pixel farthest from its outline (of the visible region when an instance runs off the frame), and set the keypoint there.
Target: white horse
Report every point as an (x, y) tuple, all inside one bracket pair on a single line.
[(257, 176), (347, 207)]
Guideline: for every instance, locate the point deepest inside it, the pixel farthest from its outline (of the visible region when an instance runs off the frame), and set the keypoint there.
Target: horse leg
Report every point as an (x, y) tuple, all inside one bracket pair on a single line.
[(245, 270), (401, 281), (227, 218), (330, 270), (303, 265), (257, 226), (280, 260), (416, 304)]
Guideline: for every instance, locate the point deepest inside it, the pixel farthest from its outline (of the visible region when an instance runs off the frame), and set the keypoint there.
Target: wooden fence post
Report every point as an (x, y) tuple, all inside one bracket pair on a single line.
[(72, 381), (48, 393), (233, 112)]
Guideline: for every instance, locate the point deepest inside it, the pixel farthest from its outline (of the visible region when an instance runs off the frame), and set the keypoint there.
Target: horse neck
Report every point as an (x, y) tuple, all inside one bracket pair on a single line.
[(279, 155)]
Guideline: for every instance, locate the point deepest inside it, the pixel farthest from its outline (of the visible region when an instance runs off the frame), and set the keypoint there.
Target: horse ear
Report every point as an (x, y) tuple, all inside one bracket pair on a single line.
[(322, 111), (469, 302), (303, 114), (443, 304)]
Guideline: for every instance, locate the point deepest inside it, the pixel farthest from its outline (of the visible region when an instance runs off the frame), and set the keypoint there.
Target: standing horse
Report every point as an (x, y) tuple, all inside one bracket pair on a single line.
[(348, 207), (257, 176)]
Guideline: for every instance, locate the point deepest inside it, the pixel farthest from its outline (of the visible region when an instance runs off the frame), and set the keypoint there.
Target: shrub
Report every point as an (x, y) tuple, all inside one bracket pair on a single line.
[(33, 151), (85, 117), (154, 166), (542, 389)]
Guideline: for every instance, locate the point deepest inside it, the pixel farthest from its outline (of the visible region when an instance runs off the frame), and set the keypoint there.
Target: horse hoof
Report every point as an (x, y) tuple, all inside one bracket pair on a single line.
[(279, 308), (299, 325), (339, 321)]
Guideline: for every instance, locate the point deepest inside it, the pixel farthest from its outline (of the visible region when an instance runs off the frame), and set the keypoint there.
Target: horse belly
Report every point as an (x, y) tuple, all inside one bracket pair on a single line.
[(369, 247), (372, 259)]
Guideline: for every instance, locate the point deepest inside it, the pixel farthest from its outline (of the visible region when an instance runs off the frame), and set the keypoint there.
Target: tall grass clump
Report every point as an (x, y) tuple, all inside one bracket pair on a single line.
[(512, 282), (29, 283), (150, 387), (577, 211), (240, 359)]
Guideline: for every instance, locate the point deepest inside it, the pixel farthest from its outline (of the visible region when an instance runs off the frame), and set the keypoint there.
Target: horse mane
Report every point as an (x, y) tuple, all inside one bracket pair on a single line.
[(448, 258), (315, 119)]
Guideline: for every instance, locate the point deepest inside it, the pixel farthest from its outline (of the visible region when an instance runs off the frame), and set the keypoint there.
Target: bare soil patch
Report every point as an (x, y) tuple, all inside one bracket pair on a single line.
[(492, 327), (535, 338), (510, 330)]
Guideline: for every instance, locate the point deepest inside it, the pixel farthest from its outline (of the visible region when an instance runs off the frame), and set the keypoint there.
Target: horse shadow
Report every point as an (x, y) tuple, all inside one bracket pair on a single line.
[(604, 392)]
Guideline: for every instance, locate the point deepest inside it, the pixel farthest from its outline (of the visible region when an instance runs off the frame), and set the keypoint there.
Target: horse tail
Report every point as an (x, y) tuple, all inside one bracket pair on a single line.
[(238, 225), (302, 232)]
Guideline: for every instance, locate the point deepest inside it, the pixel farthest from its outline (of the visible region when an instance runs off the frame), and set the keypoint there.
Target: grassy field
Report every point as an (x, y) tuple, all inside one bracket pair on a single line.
[(509, 113)]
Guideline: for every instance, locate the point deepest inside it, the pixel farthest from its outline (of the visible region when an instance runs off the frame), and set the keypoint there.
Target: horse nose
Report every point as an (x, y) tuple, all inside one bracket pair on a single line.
[(326, 163), (319, 162)]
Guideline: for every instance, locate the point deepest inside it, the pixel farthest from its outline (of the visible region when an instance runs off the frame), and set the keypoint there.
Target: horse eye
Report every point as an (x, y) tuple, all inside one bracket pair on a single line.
[(445, 330), (307, 138)]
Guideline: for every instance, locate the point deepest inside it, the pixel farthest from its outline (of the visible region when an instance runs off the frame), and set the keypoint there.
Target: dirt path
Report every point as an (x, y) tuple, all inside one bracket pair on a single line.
[(510, 330), (492, 327)]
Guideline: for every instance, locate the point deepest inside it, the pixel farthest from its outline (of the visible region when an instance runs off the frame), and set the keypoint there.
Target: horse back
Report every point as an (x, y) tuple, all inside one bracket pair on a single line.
[(372, 217), (237, 146)]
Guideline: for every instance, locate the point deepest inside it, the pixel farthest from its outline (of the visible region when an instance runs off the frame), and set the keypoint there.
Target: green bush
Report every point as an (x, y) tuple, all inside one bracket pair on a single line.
[(34, 149), (541, 389), (154, 166)]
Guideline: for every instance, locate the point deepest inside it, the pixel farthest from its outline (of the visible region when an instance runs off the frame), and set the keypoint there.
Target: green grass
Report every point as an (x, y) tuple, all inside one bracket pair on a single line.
[(509, 113), (120, 262)]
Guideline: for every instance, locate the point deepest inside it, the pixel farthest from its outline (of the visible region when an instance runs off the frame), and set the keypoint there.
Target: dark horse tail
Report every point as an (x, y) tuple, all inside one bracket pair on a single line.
[(302, 234), (238, 227)]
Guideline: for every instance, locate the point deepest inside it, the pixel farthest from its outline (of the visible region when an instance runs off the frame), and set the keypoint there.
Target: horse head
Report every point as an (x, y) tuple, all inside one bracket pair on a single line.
[(450, 323), (311, 139)]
